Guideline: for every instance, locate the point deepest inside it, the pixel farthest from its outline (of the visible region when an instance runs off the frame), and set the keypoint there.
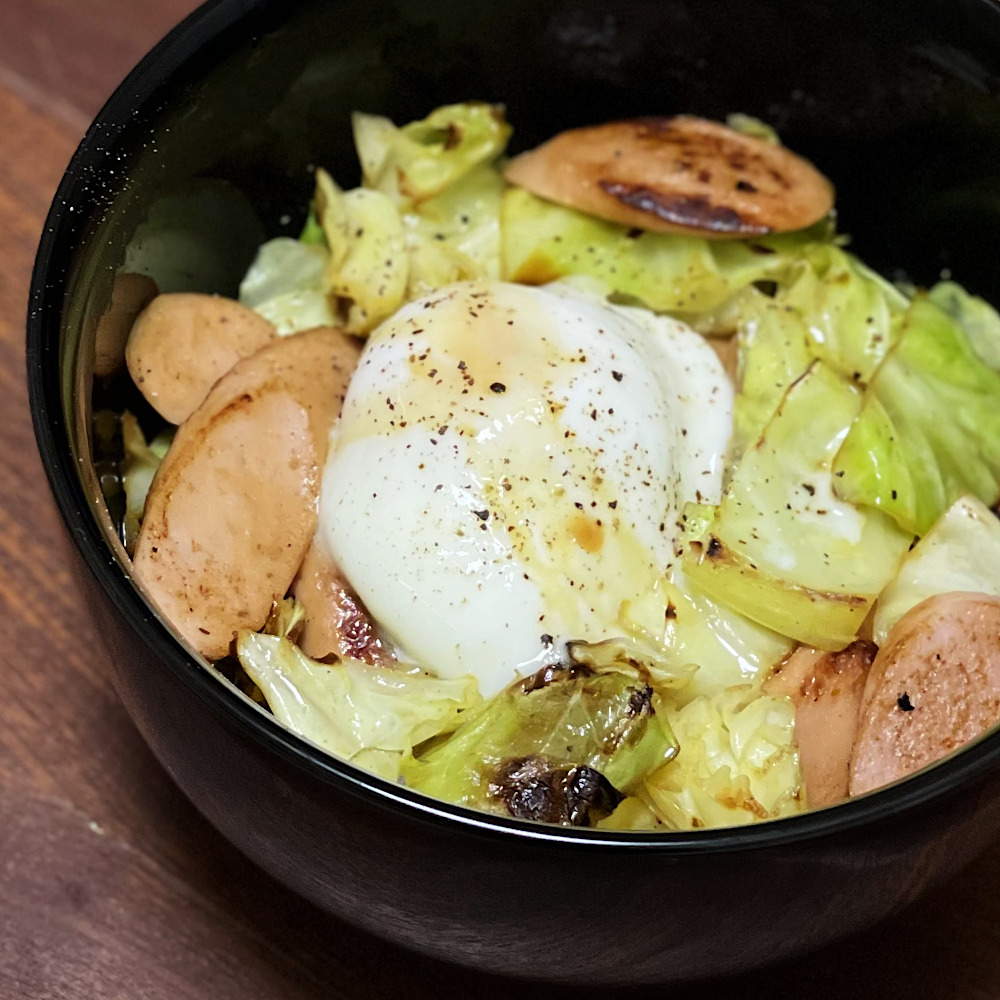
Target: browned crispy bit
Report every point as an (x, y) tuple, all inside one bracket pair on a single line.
[(934, 686), (232, 508), (676, 175), (183, 343), (826, 689), (336, 623), (536, 788)]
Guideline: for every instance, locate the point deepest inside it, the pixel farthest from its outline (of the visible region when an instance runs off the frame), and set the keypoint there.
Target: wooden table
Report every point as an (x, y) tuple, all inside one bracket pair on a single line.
[(111, 885)]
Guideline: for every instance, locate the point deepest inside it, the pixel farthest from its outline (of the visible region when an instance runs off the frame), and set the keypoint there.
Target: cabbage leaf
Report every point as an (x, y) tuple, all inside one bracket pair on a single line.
[(929, 430), (850, 312), (455, 236), (412, 163), (692, 645), (781, 548), (286, 285), (367, 270), (542, 241), (774, 350), (366, 714), (975, 316), (961, 552), (737, 762)]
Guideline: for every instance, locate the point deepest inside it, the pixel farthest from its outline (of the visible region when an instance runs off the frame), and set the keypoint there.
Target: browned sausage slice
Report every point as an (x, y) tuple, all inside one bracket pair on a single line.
[(935, 684), (130, 294), (336, 623), (676, 175), (183, 343), (826, 689), (232, 508)]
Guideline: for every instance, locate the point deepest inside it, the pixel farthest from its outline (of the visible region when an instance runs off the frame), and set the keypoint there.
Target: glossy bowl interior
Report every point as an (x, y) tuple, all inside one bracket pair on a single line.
[(206, 150)]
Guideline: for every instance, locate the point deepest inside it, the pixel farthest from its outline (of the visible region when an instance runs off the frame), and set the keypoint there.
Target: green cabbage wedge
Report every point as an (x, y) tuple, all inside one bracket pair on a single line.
[(781, 547), (850, 312), (774, 350), (692, 645), (929, 429), (961, 552)]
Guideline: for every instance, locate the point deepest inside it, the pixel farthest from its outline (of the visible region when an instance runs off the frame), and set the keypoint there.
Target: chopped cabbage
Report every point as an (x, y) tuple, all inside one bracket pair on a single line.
[(367, 271), (362, 713), (569, 717), (749, 125), (286, 285), (929, 429), (977, 318), (850, 312), (419, 160), (632, 814), (781, 548), (456, 235), (694, 645), (737, 762), (138, 469), (774, 352), (960, 553), (542, 241)]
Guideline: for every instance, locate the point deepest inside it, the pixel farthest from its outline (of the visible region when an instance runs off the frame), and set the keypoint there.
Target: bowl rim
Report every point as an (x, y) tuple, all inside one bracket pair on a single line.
[(48, 294)]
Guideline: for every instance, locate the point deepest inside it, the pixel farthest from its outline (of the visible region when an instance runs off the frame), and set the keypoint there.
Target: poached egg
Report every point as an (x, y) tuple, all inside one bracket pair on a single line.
[(509, 469)]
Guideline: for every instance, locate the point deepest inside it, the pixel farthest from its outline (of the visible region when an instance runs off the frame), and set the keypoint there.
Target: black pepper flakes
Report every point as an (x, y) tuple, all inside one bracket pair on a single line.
[(498, 387), (483, 515), (903, 701)]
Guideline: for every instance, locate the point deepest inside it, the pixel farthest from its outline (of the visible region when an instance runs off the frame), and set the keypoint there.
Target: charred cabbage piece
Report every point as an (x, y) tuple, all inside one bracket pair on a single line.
[(781, 547), (362, 713), (564, 742), (929, 429), (960, 553)]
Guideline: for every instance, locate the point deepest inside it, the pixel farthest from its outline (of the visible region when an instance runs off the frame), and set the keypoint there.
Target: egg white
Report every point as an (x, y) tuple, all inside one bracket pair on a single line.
[(509, 470)]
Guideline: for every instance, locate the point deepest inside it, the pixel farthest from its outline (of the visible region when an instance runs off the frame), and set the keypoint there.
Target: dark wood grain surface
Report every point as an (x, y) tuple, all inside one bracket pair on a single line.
[(111, 885)]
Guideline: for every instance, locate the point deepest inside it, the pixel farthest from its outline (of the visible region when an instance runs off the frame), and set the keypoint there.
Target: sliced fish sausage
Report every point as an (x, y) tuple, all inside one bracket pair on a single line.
[(934, 686), (183, 343), (826, 689), (676, 175), (336, 623), (233, 507)]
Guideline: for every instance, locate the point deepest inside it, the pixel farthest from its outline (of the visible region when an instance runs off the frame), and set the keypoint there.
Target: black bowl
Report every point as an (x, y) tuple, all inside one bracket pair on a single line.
[(204, 151)]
